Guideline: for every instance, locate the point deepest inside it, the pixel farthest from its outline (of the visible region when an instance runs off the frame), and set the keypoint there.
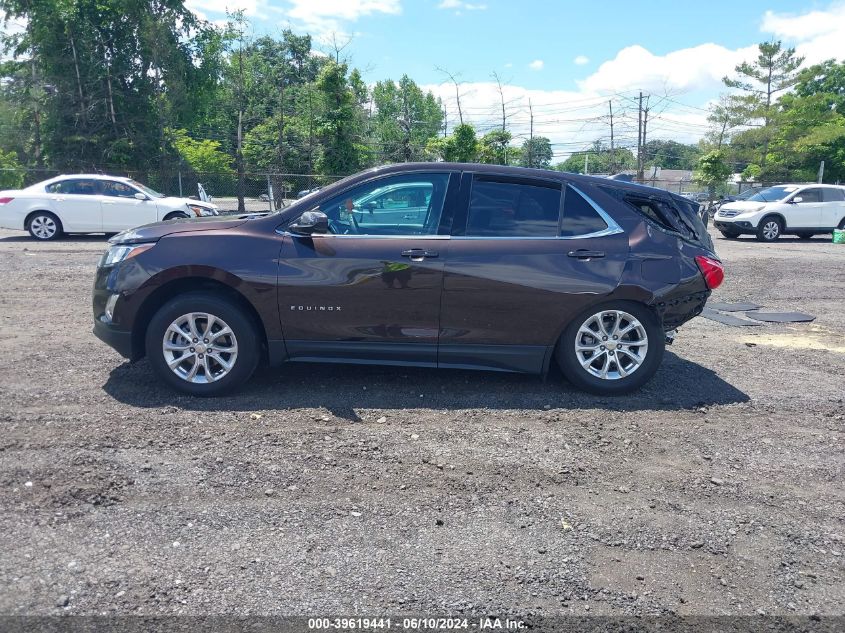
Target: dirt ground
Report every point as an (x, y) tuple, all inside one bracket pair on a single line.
[(319, 489)]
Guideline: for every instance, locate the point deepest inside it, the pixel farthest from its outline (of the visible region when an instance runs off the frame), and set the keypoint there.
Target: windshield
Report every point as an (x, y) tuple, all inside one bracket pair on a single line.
[(152, 193), (772, 194)]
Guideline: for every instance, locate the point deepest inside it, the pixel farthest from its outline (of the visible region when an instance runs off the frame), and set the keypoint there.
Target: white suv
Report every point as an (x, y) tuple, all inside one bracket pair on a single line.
[(91, 203), (802, 210)]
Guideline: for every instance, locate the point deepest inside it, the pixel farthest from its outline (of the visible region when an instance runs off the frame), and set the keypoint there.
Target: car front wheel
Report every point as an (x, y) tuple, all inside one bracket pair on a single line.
[(202, 344), (44, 226), (769, 229), (729, 235), (612, 349)]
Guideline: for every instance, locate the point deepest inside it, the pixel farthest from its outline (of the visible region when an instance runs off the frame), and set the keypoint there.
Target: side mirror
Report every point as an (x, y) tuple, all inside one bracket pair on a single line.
[(140, 196), (797, 199), (371, 206), (309, 223)]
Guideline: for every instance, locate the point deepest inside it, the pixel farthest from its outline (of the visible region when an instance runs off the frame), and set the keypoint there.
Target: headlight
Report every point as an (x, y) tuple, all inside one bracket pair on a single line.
[(201, 211), (754, 210), (121, 252)]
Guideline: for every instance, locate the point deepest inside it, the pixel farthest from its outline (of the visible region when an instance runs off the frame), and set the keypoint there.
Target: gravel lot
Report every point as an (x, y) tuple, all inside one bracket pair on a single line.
[(717, 489)]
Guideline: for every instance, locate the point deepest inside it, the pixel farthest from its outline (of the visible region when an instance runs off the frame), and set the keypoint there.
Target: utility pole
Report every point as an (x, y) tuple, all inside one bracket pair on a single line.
[(645, 134), (586, 163), (445, 122), (531, 135), (821, 172), (612, 152), (640, 139)]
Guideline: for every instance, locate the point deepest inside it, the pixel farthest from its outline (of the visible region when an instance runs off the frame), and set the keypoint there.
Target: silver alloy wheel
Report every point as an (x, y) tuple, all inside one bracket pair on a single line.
[(200, 347), (771, 230), (43, 226), (611, 344)]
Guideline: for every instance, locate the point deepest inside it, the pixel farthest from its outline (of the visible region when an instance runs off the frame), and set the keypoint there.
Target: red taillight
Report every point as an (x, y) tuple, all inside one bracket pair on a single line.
[(5, 201), (712, 271)]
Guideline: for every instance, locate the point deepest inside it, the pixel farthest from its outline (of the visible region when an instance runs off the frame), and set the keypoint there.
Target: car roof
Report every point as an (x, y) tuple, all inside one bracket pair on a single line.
[(523, 172), (90, 177)]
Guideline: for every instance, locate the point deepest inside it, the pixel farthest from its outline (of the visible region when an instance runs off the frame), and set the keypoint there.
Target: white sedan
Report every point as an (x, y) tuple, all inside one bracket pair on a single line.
[(91, 204)]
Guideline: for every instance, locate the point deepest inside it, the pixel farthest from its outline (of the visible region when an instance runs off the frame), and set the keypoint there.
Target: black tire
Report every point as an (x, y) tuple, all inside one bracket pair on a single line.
[(244, 331), (805, 236), (729, 235), (44, 226), (175, 215), (769, 229), (572, 368)]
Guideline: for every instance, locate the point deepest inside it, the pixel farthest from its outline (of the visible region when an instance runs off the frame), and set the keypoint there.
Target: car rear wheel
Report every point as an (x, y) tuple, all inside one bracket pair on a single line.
[(769, 229), (202, 344), (612, 349), (44, 226)]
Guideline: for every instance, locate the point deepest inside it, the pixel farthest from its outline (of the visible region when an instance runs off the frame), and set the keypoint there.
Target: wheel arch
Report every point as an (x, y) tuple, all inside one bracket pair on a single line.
[(630, 293), (774, 214), (30, 214), (171, 289)]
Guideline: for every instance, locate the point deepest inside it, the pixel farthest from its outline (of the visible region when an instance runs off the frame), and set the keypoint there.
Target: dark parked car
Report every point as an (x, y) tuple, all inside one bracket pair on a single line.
[(433, 265)]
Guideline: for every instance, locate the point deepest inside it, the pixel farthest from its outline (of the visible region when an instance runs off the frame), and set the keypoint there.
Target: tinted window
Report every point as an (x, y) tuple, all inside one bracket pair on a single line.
[(398, 205), (579, 216), (78, 186), (118, 189), (810, 195), (833, 195), (505, 209)]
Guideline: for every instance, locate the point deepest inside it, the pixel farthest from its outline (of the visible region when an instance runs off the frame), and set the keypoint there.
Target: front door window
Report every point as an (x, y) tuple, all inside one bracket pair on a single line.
[(400, 205)]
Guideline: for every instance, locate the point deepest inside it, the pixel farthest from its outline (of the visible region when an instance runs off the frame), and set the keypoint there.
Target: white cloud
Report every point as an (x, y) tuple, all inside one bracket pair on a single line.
[(698, 68), (537, 64), (581, 60), (509, 65), (817, 35), (460, 5)]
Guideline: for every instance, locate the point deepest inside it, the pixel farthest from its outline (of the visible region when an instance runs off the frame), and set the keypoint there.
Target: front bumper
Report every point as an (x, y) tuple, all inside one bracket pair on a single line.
[(739, 226), (118, 339)]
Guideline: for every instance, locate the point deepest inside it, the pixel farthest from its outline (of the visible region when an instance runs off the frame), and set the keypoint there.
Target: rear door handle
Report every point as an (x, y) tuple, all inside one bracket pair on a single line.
[(418, 254), (585, 254)]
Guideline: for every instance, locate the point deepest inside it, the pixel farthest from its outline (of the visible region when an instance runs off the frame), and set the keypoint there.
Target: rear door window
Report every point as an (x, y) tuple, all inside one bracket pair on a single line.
[(580, 218), (833, 195), (78, 186), (499, 208)]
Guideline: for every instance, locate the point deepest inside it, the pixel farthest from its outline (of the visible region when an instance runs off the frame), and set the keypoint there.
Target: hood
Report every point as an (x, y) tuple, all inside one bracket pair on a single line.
[(154, 232), (742, 205)]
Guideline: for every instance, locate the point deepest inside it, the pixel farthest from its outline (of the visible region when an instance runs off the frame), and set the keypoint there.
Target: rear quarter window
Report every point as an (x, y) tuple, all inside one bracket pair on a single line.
[(579, 216)]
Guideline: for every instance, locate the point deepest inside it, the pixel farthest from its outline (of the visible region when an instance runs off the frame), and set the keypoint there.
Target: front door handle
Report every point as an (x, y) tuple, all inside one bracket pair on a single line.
[(418, 254), (585, 254)]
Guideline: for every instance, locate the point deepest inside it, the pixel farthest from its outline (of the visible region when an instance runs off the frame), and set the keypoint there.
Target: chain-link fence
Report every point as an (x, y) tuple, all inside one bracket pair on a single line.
[(253, 193)]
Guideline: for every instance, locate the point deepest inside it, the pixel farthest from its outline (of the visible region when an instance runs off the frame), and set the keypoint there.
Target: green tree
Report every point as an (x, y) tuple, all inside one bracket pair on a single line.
[(671, 155), (712, 171), (338, 123), (536, 152), (11, 173), (461, 146), (405, 119), (598, 160), (494, 147), (774, 70)]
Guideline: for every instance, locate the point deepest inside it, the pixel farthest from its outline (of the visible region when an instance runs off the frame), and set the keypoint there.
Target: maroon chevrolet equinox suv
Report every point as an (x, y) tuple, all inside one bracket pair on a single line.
[(433, 265)]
